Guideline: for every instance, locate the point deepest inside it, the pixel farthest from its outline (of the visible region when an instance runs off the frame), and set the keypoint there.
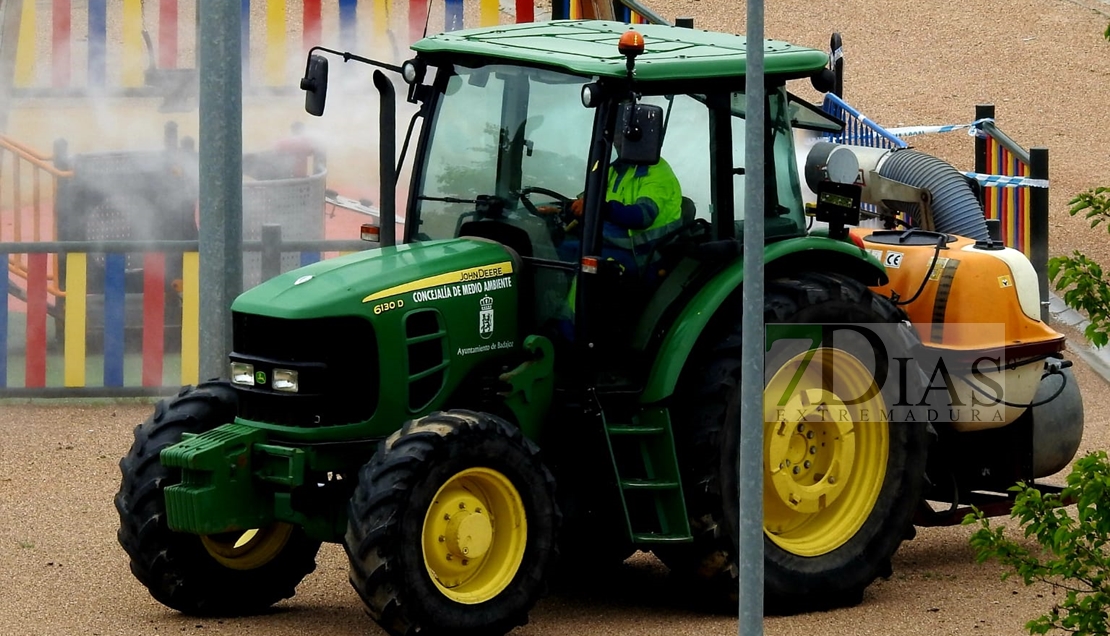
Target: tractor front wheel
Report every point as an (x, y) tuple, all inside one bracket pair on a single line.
[(236, 573), (452, 527), (841, 481)]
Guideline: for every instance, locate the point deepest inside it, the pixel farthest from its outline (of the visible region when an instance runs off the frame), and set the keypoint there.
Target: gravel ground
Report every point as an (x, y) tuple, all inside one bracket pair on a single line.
[(1043, 63), (63, 572)]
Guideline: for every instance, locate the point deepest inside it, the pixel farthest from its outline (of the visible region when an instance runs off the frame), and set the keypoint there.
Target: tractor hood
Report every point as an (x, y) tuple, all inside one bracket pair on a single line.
[(360, 282)]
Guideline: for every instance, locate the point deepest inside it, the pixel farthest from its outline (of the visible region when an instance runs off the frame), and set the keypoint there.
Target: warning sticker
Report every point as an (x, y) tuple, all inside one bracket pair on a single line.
[(878, 254), (1004, 281), (938, 269)]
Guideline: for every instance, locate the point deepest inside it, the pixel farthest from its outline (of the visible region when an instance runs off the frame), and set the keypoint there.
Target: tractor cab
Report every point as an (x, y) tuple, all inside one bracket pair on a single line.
[(529, 152)]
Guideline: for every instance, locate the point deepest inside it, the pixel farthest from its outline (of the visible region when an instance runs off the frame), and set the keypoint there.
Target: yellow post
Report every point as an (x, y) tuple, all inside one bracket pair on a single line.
[(74, 359), (275, 43), (133, 54), (190, 318), (490, 13), (25, 49)]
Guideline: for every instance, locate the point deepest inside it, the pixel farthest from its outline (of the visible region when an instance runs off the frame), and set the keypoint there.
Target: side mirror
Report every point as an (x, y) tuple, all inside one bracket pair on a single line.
[(639, 133), (315, 85)]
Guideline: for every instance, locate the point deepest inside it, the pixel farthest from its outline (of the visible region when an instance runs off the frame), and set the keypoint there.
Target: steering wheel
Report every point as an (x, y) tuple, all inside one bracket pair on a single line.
[(561, 220), (563, 200)]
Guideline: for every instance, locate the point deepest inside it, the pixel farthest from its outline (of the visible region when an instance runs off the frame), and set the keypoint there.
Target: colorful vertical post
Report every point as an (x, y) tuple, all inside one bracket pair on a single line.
[(154, 317), (526, 11), (4, 324), (275, 42), (190, 318), (25, 48), (418, 16), (490, 13), (132, 43), (348, 24), (312, 25), (167, 34), (114, 317), (36, 320), (381, 20), (60, 43), (98, 42), (452, 15), (75, 320)]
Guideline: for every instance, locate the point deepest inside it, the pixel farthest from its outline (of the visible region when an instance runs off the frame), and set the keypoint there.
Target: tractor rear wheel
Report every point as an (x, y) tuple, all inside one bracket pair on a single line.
[(452, 527), (840, 483), (229, 574)]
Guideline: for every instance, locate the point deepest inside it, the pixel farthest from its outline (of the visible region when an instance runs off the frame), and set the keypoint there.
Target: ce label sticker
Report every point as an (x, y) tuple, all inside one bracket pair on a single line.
[(893, 260)]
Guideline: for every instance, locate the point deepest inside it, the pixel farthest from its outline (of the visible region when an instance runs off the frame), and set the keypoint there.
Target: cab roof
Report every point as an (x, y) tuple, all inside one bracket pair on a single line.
[(589, 47)]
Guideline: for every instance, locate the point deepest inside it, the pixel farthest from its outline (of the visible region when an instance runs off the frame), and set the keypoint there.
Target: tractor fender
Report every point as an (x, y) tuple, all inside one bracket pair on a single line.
[(808, 253)]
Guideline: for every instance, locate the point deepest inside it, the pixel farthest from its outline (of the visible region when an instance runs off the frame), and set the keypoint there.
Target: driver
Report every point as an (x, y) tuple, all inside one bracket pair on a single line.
[(643, 204)]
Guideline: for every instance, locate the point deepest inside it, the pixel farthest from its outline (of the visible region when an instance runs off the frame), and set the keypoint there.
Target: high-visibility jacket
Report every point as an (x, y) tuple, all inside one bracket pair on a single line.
[(649, 206)]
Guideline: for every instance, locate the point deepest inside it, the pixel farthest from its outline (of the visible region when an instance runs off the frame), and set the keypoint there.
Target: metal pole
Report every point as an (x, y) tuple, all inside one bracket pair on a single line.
[(221, 179), (1038, 225), (750, 468)]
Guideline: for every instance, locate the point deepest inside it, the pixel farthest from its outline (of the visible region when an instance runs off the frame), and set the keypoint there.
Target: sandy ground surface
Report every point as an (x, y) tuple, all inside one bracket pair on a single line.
[(62, 572), (1043, 63)]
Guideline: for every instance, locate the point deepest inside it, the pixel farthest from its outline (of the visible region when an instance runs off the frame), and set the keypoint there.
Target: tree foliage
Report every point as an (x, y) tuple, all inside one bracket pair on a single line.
[(1070, 552)]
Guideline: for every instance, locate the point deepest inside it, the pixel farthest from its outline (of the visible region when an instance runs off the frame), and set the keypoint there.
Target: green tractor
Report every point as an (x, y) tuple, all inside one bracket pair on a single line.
[(496, 400)]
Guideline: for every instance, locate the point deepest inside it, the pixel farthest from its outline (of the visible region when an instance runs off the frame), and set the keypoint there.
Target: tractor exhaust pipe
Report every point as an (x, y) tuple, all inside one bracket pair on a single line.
[(387, 157)]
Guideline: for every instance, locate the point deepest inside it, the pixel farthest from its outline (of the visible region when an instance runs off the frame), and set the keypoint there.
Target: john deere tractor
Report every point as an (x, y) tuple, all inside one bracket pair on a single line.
[(495, 399)]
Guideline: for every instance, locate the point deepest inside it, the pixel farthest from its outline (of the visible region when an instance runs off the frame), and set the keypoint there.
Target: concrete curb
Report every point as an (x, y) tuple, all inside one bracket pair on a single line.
[(1098, 359)]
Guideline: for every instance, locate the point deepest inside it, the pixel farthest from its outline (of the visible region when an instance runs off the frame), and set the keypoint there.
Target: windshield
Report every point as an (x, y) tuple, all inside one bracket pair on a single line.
[(499, 129)]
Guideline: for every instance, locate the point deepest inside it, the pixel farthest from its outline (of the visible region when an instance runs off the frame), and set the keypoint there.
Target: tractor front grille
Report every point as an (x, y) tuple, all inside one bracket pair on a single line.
[(336, 360)]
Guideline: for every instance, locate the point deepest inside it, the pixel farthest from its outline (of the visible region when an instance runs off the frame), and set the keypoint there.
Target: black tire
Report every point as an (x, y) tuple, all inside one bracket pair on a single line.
[(397, 490), (177, 568), (708, 444)]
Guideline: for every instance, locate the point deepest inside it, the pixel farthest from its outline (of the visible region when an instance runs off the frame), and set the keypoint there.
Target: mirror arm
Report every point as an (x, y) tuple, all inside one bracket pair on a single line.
[(347, 57)]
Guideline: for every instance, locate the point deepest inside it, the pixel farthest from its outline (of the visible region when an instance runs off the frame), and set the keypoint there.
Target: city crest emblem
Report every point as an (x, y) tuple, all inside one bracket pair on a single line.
[(485, 317)]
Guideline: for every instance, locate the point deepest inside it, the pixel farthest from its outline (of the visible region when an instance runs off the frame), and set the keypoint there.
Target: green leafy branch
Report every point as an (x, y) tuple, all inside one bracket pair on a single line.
[(1085, 288), (1073, 556)]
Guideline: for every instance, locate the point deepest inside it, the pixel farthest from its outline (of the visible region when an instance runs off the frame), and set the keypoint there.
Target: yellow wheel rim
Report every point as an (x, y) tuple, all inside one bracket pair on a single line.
[(474, 537), (824, 453), (248, 550)]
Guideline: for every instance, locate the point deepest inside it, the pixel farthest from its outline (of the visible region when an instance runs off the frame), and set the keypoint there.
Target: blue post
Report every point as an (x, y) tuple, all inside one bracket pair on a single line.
[(114, 318), (4, 322)]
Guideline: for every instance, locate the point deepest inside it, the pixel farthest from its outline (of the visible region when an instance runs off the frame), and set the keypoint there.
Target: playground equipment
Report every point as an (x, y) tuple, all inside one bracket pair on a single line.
[(147, 198), (418, 403)]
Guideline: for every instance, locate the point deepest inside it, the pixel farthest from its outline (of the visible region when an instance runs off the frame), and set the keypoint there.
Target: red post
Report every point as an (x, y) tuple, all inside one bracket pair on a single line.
[(312, 24), (60, 43), (525, 11), (36, 320), (418, 17), (167, 34), (154, 316)]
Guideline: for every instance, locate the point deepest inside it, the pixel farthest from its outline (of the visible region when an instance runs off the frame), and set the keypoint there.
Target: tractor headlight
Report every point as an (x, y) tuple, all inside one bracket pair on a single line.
[(242, 373), (285, 380)]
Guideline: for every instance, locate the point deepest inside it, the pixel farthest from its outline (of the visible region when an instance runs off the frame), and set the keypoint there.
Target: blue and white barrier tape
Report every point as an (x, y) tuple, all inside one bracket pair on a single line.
[(1004, 181), (912, 131)]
